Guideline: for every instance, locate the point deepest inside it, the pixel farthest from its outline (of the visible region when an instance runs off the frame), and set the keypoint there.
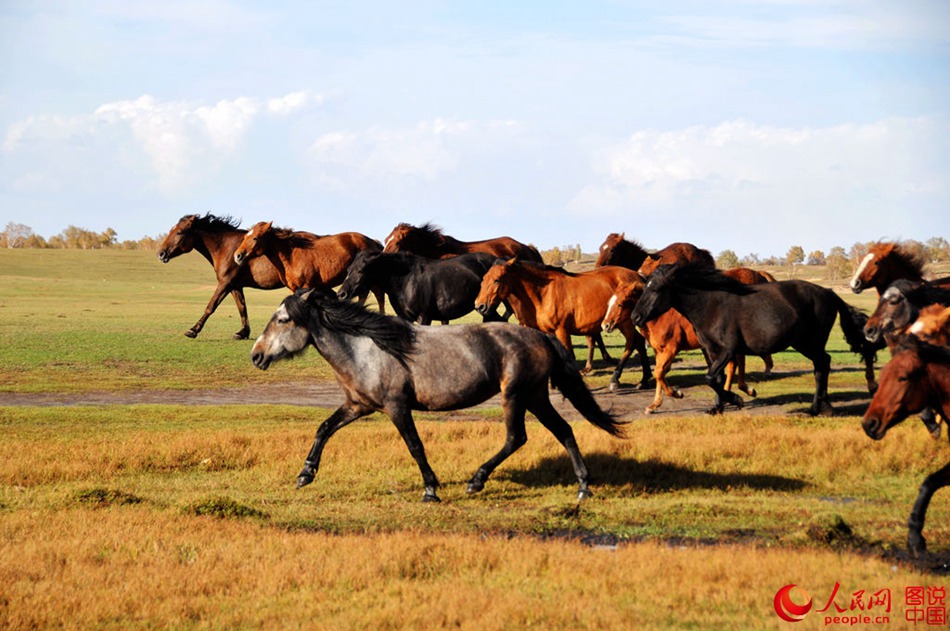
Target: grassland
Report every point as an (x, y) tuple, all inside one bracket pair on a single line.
[(119, 516)]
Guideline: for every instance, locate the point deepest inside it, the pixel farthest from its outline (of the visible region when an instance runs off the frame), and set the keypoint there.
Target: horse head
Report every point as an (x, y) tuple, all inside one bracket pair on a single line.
[(495, 287), (608, 248), (894, 312), (902, 391), (252, 244), (868, 268), (621, 305), (932, 325), (180, 239), (287, 333), (656, 298), (357, 274)]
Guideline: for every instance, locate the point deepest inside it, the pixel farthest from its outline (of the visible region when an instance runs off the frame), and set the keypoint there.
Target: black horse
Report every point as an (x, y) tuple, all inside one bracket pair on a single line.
[(386, 364), (732, 319), (420, 289), (899, 306)]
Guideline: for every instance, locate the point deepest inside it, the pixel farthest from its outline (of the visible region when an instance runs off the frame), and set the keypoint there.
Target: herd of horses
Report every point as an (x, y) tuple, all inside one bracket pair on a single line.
[(673, 300)]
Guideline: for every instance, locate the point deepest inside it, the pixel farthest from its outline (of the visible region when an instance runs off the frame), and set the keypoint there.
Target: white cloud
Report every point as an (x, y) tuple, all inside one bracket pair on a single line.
[(348, 160), (744, 166)]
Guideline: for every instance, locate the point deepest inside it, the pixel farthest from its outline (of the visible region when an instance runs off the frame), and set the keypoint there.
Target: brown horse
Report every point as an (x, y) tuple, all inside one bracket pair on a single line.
[(932, 325), (668, 334), (886, 262), (216, 239), (304, 259), (429, 241), (564, 304), (917, 376), (616, 250)]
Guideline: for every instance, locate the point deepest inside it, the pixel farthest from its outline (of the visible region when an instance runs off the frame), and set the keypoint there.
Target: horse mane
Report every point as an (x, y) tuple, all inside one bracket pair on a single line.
[(921, 294), (928, 353), (913, 260), (696, 276), (543, 267), (392, 335), (430, 234), (214, 223), (295, 238)]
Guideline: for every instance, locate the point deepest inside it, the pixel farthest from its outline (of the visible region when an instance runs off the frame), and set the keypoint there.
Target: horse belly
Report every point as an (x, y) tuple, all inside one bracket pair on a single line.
[(450, 373)]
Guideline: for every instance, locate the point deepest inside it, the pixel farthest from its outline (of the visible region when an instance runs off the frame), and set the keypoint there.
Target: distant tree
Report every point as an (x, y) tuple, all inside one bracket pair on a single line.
[(727, 259), (838, 264), (554, 256), (914, 248), (816, 258), (15, 235), (795, 255), (858, 251), (750, 260), (938, 250)]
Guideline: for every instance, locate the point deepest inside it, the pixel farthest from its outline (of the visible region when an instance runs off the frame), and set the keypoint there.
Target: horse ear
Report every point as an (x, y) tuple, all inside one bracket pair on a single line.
[(304, 294), (498, 262), (655, 256), (623, 235)]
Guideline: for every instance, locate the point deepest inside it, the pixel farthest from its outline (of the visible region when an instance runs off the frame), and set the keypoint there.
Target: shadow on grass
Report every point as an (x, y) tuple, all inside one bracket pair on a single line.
[(650, 476)]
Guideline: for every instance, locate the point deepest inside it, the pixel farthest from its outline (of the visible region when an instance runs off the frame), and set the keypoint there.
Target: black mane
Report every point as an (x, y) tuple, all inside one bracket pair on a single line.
[(697, 277), (214, 223), (430, 234), (922, 294), (393, 335)]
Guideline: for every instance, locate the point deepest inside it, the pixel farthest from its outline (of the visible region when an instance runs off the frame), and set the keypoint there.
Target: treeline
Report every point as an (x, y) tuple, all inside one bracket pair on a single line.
[(18, 235)]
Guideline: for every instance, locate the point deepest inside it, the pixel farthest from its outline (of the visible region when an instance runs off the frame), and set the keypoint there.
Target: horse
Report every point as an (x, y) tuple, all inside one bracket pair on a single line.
[(668, 334), (898, 308), (216, 238), (918, 376), (731, 318), (419, 289), (616, 250), (886, 262), (304, 259), (386, 364), (932, 325), (429, 241), (749, 276), (563, 303)]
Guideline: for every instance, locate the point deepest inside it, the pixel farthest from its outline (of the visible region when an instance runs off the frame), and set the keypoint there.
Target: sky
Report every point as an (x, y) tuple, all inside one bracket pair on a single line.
[(750, 126)]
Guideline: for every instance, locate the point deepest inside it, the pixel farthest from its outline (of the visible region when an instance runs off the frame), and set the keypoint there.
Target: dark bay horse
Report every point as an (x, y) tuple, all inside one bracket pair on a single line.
[(385, 364), (616, 250), (932, 325), (887, 262), (429, 241), (731, 318), (216, 239), (668, 334), (563, 303), (420, 289), (304, 259), (917, 377), (898, 308)]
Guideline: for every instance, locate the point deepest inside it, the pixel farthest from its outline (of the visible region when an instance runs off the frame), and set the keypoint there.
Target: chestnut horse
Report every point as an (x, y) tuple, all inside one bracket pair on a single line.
[(216, 239), (616, 250), (932, 325), (917, 376), (886, 262), (429, 241), (563, 303), (668, 334), (304, 259)]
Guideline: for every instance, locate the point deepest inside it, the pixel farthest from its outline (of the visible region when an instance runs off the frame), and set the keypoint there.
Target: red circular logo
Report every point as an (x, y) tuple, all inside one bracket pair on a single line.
[(787, 609)]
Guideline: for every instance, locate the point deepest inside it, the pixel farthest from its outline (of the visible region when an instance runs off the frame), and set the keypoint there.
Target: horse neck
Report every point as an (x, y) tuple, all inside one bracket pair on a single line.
[(339, 350), (629, 255), (217, 247), (527, 293), (938, 375), (897, 269), (280, 254)]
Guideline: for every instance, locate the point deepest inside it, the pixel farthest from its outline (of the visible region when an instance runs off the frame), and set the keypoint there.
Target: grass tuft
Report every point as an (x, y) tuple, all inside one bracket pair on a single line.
[(223, 507), (100, 497)]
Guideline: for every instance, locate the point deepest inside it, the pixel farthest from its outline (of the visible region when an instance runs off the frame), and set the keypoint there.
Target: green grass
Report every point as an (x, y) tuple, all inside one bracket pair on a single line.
[(186, 516)]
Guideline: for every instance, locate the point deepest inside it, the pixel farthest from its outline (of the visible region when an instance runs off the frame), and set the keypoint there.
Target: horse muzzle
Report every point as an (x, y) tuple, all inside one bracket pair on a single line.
[(857, 286), (607, 326), (239, 257), (872, 334), (874, 428), (482, 308), (261, 360), (163, 256)]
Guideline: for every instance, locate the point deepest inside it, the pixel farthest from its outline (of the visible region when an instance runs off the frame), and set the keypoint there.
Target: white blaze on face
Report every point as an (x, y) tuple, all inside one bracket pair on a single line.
[(891, 294), (611, 303), (864, 263), (916, 328)]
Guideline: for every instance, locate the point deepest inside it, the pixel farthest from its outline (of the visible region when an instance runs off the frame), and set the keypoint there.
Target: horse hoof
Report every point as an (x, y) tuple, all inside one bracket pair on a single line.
[(430, 497), (191, 333), (714, 411), (676, 394), (304, 480), (474, 487), (916, 545), (241, 335), (650, 410), (613, 386), (643, 385), (739, 402), (584, 494), (752, 393)]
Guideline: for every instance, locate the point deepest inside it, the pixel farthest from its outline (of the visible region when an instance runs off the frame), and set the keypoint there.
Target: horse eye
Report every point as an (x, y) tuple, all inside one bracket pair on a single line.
[(902, 379)]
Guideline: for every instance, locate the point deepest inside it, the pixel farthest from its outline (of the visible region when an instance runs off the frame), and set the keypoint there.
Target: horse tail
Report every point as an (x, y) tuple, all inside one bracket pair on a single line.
[(566, 378), (852, 323)]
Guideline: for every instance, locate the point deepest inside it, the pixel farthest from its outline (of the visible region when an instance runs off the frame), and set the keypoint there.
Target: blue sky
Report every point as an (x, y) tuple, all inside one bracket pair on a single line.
[(749, 126)]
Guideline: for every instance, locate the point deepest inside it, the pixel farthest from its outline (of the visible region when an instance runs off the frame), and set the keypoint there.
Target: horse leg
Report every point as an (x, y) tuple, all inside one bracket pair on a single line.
[(245, 331), (664, 359), (930, 421), (739, 366), (556, 424), (402, 419), (344, 415), (590, 355), (516, 437), (820, 404), (716, 379), (633, 340), (219, 293), (916, 544), (769, 364), (603, 348)]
